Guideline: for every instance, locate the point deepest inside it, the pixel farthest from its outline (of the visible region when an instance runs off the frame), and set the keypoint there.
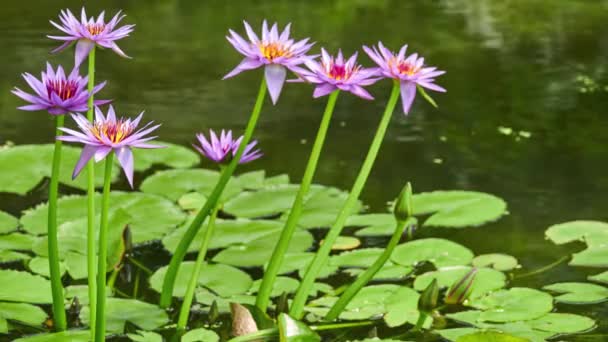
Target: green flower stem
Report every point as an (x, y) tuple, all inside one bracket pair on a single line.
[(100, 324), (182, 248), (364, 278), (91, 252), (296, 210), (184, 313), (56, 286), (320, 259)]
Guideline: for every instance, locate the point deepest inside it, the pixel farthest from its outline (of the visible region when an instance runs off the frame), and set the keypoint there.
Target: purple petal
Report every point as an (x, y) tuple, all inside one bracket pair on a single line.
[(408, 93), (432, 86), (323, 89), (83, 47), (275, 77), (362, 93), (87, 153), (246, 64), (125, 158), (116, 49), (62, 46), (101, 152)]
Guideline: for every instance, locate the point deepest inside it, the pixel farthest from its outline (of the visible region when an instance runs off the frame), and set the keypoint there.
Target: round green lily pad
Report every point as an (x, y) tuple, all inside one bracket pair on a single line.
[(501, 262), (439, 252), (578, 293), (515, 304), (486, 279)]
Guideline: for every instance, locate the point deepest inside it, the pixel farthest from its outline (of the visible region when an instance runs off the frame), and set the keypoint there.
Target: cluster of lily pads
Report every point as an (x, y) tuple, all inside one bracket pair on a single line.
[(317, 280), (253, 215)]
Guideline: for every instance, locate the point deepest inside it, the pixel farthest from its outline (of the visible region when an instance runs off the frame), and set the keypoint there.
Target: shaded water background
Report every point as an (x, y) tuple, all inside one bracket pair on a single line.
[(510, 63)]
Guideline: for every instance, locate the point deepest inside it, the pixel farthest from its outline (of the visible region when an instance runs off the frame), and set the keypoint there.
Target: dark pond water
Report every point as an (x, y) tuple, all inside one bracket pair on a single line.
[(510, 64)]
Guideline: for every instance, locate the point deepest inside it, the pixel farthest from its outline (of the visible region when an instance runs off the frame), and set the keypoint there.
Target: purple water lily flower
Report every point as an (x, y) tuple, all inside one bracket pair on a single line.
[(276, 52), (224, 148), (89, 32), (107, 134), (410, 71), (336, 73), (57, 93)]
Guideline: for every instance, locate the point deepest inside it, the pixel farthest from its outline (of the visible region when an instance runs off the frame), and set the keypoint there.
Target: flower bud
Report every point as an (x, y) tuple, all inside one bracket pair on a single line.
[(461, 289), (403, 205), (428, 298)]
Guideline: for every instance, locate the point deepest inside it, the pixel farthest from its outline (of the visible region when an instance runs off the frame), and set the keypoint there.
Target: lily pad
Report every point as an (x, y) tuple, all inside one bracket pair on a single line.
[(439, 252), (578, 293), (145, 336), (490, 336), (321, 207), (515, 304), (596, 256), (24, 287), (175, 183), (458, 209), (291, 330), (591, 232), (258, 251), (501, 262), (40, 265), (221, 279), (402, 307), (227, 233), (299, 261), (281, 285), (370, 302), (8, 223), (384, 229), (600, 278), (206, 297), (174, 156), (364, 258), (486, 279), (23, 313), (562, 323), (262, 203), (69, 335), (30, 164), (152, 216), (344, 243), (387, 272), (119, 311)]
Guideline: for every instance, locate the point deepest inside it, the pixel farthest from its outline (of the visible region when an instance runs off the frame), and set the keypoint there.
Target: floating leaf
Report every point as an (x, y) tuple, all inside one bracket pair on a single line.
[(205, 297), (600, 278), (17, 241), (458, 209), (370, 302), (23, 313), (8, 223), (40, 265), (562, 323), (69, 335), (258, 251), (174, 156), (364, 258), (221, 279), (455, 333), (384, 229), (227, 233), (486, 279), (262, 203), (591, 232), (578, 293), (119, 311), (402, 307), (596, 256), (24, 287), (192, 201), (439, 252), (501, 262), (31, 163), (299, 261), (200, 335), (281, 285), (291, 330), (321, 207), (152, 216), (515, 304), (490, 336), (387, 272), (175, 183)]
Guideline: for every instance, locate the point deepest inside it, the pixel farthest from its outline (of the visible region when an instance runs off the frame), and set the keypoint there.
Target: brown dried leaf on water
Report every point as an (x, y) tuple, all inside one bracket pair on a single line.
[(242, 320)]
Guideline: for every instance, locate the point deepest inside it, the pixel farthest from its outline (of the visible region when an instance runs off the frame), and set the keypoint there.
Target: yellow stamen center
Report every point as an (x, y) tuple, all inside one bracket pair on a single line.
[(274, 50), (95, 29), (114, 131)]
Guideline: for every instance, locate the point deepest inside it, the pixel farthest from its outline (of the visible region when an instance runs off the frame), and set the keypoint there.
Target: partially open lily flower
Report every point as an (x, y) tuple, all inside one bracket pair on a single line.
[(90, 32), (57, 92), (337, 73), (223, 148), (410, 71), (107, 134), (276, 52)]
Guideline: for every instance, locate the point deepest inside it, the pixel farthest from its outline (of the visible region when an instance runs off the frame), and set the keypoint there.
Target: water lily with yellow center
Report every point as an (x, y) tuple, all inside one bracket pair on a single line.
[(107, 134), (410, 71), (276, 52)]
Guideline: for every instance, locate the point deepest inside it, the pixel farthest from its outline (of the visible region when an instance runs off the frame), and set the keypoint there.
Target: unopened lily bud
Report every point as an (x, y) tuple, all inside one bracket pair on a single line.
[(428, 298), (403, 205), (461, 289)]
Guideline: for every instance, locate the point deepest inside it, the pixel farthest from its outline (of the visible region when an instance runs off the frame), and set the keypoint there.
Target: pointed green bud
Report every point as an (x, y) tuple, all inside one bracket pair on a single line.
[(462, 288), (428, 298), (403, 205), (214, 313)]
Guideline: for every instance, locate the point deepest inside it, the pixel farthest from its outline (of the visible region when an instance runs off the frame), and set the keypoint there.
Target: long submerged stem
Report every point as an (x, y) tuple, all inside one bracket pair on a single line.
[(296, 210), (100, 326), (53, 244), (184, 313), (91, 253), (320, 259), (182, 248), (364, 278)]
